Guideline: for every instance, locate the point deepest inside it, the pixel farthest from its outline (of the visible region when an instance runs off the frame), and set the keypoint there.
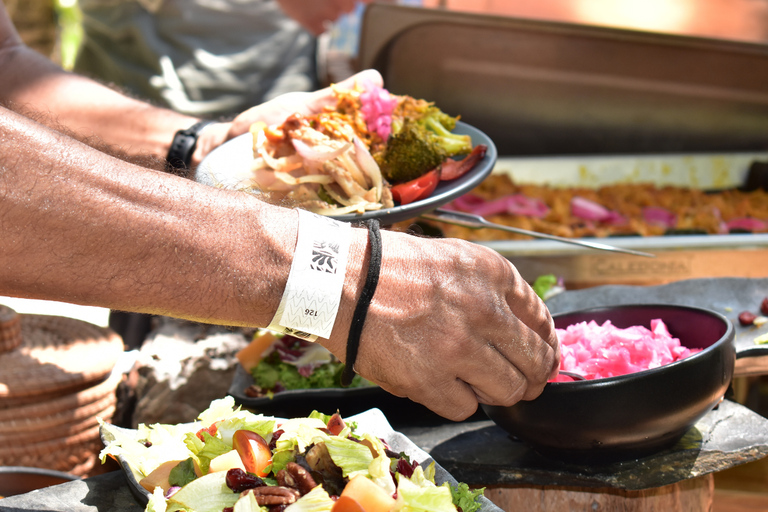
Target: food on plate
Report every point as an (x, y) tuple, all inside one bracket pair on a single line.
[(234, 460), (598, 351), (614, 210), (748, 318), (280, 362), (369, 151)]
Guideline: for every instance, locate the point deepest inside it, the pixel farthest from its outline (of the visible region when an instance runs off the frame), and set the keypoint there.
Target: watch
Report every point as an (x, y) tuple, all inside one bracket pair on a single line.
[(183, 146)]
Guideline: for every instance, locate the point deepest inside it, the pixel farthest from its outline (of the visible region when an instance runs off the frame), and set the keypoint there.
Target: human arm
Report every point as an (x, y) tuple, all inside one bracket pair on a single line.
[(32, 84), (451, 323)]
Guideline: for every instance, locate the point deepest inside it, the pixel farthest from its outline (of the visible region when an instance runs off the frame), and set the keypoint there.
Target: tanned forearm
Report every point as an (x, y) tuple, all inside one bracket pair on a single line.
[(79, 226), (33, 85)]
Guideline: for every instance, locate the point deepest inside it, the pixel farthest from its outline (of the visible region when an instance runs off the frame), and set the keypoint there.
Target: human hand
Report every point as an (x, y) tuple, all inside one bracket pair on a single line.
[(276, 111), (306, 103), (453, 324), (315, 16)]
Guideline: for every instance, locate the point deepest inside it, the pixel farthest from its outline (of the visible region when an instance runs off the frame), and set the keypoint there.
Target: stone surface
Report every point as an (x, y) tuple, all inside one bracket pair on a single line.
[(481, 453), (180, 369)]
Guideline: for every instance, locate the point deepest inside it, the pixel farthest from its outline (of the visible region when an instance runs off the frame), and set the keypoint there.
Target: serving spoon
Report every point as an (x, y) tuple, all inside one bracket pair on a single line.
[(573, 375), (469, 220)]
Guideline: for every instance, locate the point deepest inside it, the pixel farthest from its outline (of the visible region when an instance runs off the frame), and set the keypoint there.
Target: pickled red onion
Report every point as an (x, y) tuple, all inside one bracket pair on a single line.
[(659, 216), (377, 106), (598, 351), (590, 210), (746, 223), (513, 204)]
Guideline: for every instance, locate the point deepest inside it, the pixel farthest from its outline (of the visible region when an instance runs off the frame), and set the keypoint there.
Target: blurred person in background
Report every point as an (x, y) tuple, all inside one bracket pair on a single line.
[(205, 58)]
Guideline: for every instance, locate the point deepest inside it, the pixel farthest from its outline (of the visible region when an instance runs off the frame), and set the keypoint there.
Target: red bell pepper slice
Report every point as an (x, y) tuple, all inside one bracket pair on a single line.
[(417, 189), (453, 169)]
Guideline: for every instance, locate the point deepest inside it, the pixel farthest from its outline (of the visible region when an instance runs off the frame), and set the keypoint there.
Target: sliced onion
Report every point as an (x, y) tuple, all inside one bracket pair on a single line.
[(590, 210), (369, 166), (659, 216), (308, 178), (514, 204), (350, 165), (466, 203), (747, 224), (315, 154)]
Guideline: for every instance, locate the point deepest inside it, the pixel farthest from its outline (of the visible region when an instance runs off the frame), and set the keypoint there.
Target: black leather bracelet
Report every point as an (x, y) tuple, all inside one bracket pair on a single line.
[(361, 310), (183, 147)]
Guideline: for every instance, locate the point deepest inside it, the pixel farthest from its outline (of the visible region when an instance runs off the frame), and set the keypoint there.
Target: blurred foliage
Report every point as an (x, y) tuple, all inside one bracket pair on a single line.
[(70, 30)]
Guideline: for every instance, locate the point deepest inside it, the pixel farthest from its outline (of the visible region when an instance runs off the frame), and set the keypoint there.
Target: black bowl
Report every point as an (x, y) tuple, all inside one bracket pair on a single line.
[(634, 415), (20, 479)]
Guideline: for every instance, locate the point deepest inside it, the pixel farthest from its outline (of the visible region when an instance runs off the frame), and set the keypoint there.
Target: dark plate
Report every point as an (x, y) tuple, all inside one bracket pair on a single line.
[(348, 401), (229, 164), (372, 421)]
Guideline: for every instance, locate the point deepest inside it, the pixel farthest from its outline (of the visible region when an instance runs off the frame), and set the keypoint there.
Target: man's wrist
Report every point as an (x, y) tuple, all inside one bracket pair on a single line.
[(183, 147)]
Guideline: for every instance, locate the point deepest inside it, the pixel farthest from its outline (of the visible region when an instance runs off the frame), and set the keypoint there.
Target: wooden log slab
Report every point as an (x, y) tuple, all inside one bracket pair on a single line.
[(692, 495)]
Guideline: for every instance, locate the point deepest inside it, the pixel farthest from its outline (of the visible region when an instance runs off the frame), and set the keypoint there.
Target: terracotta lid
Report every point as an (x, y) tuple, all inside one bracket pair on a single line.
[(56, 356)]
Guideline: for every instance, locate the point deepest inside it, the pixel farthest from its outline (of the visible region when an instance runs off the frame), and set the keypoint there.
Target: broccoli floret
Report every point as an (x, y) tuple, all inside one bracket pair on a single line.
[(410, 153), (427, 115), (441, 125)]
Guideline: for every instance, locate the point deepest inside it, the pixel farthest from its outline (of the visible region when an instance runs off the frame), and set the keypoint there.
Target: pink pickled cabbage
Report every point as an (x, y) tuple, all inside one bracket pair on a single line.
[(377, 106), (598, 351)]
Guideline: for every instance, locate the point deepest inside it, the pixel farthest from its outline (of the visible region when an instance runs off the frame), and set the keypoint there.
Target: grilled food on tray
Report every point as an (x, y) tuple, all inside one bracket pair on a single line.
[(629, 209)]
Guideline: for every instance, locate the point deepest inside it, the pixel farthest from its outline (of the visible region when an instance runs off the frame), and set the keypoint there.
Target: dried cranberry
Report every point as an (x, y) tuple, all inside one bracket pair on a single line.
[(275, 436), (764, 306), (746, 318), (239, 481)]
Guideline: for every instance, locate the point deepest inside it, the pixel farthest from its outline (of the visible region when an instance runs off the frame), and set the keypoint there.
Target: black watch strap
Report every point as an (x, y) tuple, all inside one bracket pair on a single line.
[(183, 146)]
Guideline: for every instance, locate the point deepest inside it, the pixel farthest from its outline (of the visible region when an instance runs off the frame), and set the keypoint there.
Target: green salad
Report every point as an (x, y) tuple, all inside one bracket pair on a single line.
[(232, 460), (293, 363)]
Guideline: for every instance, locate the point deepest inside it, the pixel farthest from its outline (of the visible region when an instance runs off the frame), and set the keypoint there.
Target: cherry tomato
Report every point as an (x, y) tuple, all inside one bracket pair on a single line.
[(211, 430), (417, 189), (253, 450)]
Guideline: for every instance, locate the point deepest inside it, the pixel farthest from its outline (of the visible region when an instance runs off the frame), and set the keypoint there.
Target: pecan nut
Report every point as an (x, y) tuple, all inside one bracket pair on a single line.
[(273, 495), (297, 477)]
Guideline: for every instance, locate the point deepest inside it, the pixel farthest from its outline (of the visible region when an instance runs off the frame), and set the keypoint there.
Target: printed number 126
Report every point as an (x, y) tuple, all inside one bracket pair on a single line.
[(310, 312)]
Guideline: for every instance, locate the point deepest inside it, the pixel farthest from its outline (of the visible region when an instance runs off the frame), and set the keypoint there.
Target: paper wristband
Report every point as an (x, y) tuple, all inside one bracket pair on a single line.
[(313, 292)]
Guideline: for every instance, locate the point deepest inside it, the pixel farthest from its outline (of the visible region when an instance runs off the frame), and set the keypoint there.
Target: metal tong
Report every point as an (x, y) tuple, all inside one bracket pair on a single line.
[(469, 220)]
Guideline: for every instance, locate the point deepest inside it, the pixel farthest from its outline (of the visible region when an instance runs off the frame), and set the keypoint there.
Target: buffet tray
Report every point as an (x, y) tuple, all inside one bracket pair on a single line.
[(676, 256)]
